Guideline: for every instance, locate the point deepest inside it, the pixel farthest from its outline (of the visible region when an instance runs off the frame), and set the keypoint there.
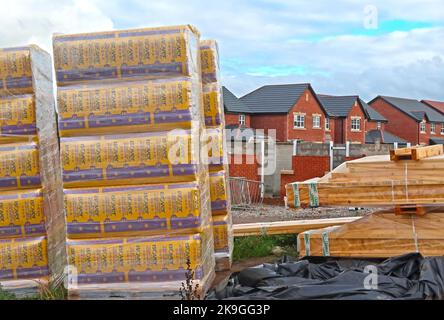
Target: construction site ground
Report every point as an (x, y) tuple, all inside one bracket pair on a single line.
[(270, 213)]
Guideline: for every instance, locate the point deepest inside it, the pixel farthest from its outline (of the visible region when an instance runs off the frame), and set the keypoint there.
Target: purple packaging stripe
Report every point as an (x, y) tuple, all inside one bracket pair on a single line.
[(97, 121), (35, 229), (161, 276), (137, 172), (218, 120), (31, 194), (220, 223), (82, 175), (8, 182), (133, 188), (173, 116), (22, 48), (8, 231), (161, 69), (114, 277), (7, 196), (161, 238), (66, 76), (71, 123), (71, 243), (82, 37), (217, 174), (138, 225), (37, 239), (31, 181), (33, 272), (82, 228), (135, 135), (6, 274), (218, 205), (185, 223), (80, 191), (30, 146), (183, 185), (20, 129), (130, 33), (184, 169), (209, 77), (222, 250), (19, 82)]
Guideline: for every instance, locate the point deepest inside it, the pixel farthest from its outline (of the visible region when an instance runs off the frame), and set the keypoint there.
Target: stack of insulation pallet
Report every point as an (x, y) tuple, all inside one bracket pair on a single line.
[(410, 182), (136, 186), (31, 216), (215, 143)]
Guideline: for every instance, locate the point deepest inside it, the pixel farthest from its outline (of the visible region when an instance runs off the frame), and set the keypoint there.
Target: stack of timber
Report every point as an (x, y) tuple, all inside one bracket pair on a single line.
[(377, 181), (380, 235)]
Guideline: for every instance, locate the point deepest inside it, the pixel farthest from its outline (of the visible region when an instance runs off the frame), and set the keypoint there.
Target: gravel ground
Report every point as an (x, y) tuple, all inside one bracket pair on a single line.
[(269, 213)]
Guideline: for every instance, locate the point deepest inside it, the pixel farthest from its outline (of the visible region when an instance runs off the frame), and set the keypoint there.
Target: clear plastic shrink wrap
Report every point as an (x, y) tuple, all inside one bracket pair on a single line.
[(215, 143), (136, 186), (32, 240)]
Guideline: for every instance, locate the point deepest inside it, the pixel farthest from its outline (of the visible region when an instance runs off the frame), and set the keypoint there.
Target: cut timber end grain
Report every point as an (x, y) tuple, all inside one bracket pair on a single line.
[(416, 153)]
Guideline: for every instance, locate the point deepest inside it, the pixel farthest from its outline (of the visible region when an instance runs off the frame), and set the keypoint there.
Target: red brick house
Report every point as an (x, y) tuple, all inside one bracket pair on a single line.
[(293, 110), (409, 119), (236, 113)]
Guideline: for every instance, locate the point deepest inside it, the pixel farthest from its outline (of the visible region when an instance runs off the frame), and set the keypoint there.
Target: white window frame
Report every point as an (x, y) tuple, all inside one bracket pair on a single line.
[(442, 128), (327, 124), (242, 119), (422, 127), (378, 125), (316, 125), (433, 128), (352, 124), (297, 120)]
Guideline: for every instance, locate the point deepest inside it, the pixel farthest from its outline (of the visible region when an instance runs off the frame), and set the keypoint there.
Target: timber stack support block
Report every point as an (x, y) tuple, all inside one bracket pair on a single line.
[(416, 153)]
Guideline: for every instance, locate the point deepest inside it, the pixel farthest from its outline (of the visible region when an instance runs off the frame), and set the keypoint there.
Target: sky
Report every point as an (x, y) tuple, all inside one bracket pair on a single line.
[(346, 47)]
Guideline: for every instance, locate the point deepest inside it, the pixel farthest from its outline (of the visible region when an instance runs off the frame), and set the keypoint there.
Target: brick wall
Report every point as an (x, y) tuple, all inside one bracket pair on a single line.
[(233, 118), (307, 104), (304, 168), (271, 121), (355, 136), (373, 125), (247, 169), (399, 123)]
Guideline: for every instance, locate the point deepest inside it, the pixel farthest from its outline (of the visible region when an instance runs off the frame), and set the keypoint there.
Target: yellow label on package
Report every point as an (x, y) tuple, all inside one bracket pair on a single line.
[(21, 213), (127, 107), (149, 259), (214, 146), (19, 166), (17, 115), (209, 57), (133, 210), (126, 54), (222, 231), (128, 159), (218, 191), (213, 108), (23, 258), (15, 71)]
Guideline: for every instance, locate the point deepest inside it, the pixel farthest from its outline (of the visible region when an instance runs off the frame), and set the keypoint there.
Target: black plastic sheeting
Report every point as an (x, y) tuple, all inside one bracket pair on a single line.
[(409, 276)]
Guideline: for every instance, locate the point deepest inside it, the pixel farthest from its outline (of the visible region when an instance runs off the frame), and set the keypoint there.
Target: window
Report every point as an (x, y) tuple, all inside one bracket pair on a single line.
[(316, 121), (442, 128), (299, 121), (432, 128), (422, 127), (242, 119), (327, 123), (356, 124), (378, 125)]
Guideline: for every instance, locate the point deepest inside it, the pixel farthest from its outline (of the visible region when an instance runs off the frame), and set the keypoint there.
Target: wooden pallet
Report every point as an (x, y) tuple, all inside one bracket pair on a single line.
[(416, 153), (382, 234), (286, 227)]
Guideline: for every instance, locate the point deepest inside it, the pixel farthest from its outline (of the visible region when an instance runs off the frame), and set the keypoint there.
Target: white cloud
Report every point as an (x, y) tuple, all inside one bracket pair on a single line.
[(34, 22)]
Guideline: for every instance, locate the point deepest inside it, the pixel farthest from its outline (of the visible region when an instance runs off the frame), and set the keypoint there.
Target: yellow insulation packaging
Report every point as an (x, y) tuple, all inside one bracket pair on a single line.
[(130, 158), (126, 54), (15, 71), (19, 166), (21, 213), (140, 259), (134, 106), (135, 210), (23, 258), (223, 241), (220, 204), (31, 208)]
